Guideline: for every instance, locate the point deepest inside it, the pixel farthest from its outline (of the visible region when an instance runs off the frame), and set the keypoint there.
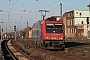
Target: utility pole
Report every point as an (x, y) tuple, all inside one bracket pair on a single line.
[(6, 32), (15, 31), (1, 29), (60, 9), (21, 21), (27, 23), (88, 6), (88, 25)]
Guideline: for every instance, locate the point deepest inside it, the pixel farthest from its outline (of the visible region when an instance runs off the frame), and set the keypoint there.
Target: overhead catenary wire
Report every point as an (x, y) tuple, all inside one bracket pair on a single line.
[(9, 16), (52, 4), (37, 3), (34, 7), (10, 10), (31, 11), (45, 8), (14, 5)]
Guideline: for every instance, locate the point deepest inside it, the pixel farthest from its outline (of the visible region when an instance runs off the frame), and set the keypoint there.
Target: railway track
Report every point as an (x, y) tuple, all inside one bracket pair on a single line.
[(12, 52), (24, 52), (47, 54), (7, 54)]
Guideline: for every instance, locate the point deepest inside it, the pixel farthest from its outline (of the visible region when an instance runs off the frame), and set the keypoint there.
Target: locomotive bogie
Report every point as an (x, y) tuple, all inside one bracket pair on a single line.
[(54, 44)]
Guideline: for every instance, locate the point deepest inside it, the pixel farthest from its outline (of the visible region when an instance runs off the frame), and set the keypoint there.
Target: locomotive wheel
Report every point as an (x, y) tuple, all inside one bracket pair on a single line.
[(37, 44), (41, 45), (62, 49), (44, 46), (33, 42)]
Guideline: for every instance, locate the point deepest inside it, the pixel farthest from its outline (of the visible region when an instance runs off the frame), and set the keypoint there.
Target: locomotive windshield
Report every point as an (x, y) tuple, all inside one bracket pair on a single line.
[(53, 28)]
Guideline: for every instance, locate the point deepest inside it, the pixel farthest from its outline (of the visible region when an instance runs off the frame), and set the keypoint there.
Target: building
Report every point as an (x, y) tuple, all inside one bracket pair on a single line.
[(76, 23)]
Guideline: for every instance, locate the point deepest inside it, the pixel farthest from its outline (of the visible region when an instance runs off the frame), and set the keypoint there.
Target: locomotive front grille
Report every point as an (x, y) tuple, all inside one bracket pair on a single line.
[(54, 43)]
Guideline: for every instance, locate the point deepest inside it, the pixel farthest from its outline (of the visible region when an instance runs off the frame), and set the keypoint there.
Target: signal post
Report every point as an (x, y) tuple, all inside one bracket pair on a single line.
[(88, 24), (15, 31)]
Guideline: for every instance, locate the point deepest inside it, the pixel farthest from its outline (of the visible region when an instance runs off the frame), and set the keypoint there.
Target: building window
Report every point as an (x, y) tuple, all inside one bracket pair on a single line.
[(68, 22), (82, 22), (68, 14), (80, 14), (71, 30), (71, 22), (76, 12), (75, 30), (68, 30)]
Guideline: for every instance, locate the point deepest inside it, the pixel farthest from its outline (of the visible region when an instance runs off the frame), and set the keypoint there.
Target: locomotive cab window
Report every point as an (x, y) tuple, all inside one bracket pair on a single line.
[(53, 28)]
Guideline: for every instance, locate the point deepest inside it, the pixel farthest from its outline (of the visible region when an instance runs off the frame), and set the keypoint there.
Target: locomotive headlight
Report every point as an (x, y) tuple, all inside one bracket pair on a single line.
[(52, 38), (47, 37), (60, 38)]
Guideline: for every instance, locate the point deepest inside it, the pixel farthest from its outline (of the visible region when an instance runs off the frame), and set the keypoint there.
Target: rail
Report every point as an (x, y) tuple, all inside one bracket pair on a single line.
[(21, 50), (8, 55)]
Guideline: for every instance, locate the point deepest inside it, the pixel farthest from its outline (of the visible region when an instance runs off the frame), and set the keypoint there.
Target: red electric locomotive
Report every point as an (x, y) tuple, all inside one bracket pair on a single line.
[(49, 33)]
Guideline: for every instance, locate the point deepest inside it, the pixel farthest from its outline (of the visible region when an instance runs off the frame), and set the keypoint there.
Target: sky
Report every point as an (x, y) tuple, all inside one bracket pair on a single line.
[(18, 12)]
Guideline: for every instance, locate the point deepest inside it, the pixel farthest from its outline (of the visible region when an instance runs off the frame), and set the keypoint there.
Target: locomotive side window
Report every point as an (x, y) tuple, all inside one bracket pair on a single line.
[(53, 28)]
